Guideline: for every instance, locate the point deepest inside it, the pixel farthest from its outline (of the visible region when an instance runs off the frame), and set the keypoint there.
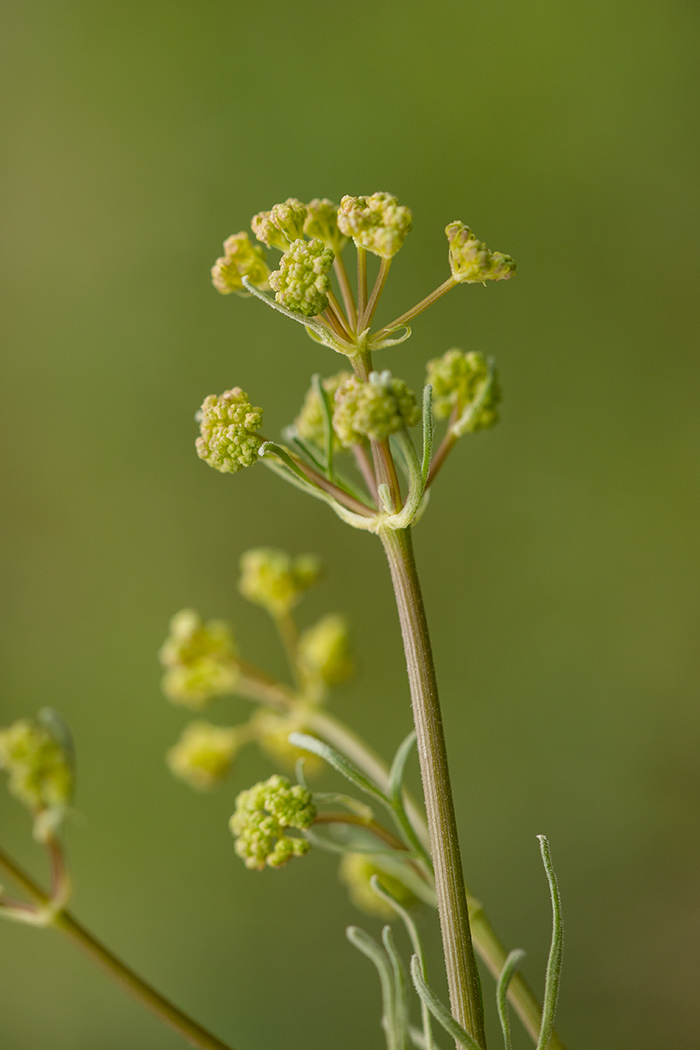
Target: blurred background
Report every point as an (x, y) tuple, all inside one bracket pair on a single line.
[(559, 557)]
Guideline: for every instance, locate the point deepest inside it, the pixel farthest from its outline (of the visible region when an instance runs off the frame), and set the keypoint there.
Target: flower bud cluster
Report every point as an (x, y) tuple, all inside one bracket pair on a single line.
[(309, 423), (324, 651), (39, 768), (303, 282), (322, 222), (374, 409), (378, 223), (227, 425), (275, 580), (282, 225), (459, 380), (356, 870), (204, 754), (471, 261), (261, 817), (241, 259), (200, 660)]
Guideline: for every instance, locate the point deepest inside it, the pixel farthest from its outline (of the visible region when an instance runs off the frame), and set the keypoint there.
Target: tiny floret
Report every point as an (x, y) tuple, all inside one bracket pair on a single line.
[(461, 381), (322, 222), (324, 651), (378, 223), (309, 423), (282, 225), (471, 261), (275, 580), (303, 282), (200, 659), (241, 259), (261, 817), (374, 409), (356, 870), (39, 769), (204, 754), (227, 425)]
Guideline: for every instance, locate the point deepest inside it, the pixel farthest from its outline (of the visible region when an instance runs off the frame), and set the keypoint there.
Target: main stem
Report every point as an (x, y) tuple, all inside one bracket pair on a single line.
[(460, 961)]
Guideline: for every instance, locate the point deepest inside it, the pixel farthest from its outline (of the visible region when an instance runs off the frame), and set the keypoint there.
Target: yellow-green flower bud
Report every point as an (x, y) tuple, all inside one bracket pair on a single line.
[(322, 222), (272, 733), (274, 579), (324, 650), (262, 814), (470, 259), (39, 768), (204, 754), (200, 660), (227, 426), (458, 380), (356, 870), (282, 225), (378, 223), (309, 422), (242, 259), (302, 282), (374, 409)]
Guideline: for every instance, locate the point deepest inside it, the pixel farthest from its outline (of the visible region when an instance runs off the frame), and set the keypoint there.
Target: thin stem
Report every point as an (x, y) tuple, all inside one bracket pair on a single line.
[(340, 316), (374, 826), (361, 281), (164, 1010), (460, 961), (287, 628), (385, 470), (446, 445), (345, 290), (366, 470), (334, 490), (366, 317), (419, 307), (334, 323)]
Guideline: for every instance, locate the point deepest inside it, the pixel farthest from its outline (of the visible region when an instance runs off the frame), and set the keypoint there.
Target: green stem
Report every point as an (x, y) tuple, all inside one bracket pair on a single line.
[(345, 290), (366, 318), (460, 961), (361, 281), (419, 307), (164, 1010)]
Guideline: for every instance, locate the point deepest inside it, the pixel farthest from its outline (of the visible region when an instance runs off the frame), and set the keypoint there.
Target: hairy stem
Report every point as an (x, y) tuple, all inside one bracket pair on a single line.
[(460, 961), (63, 921)]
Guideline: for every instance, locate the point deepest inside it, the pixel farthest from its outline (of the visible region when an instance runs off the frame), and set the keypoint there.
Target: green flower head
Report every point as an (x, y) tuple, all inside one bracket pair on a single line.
[(282, 225), (242, 259), (309, 423), (324, 651), (374, 409), (200, 659), (378, 223), (227, 426), (204, 754), (39, 769), (471, 261), (462, 381), (261, 817), (275, 580), (322, 222), (303, 282)]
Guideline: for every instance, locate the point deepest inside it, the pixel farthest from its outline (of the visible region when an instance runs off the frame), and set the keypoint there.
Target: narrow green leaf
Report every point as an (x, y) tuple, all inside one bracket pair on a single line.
[(428, 430), (369, 947), (507, 973), (400, 1020), (438, 1009), (399, 814), (551, 987), (340, 763), (328, 434)]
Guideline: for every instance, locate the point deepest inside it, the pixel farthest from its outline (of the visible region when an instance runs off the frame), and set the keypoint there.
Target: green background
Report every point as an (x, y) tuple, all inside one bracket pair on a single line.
[(559, 555)]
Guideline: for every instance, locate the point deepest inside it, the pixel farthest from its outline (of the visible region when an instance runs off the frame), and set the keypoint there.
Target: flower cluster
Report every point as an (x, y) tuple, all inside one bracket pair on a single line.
[(204, 754), (378, 223), (464, 381), (471, 261), (324, 651), (302, 282), (39, 769), (275, 580), (262, 815), (241, 259), (282, 225), (227, 426), (374, 409), (200, 660), (309, 423)]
